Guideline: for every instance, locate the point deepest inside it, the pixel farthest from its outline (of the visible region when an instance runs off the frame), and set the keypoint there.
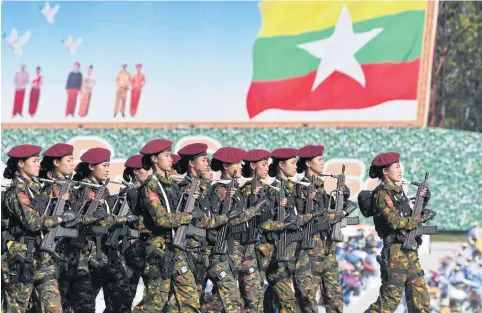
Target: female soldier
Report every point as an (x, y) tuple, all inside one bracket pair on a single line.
[(57, 163), (400, 268), (28, 266), (135, 253), (90, 269), (222, 270), (324, 266), (279, 272), (158, 200), (256, 252)]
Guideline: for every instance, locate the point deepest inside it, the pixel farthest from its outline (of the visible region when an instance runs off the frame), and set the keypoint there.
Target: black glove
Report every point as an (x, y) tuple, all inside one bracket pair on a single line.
[(350, 206), (197, 214), (100, 214), (291, 222), (318, 213), (234, 213), (131, 218), (426, 198), (419, 240), (68, 216), (346, 192), (427, 215)]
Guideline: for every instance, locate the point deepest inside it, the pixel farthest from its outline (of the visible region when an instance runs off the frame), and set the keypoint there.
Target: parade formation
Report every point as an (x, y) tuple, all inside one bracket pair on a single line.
[(64, 236)]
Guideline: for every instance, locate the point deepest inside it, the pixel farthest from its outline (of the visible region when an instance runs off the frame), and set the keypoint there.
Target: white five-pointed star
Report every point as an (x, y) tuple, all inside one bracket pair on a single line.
[(337, 53)]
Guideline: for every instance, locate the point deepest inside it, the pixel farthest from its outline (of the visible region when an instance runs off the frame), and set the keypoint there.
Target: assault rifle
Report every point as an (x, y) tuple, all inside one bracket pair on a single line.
[(282, 242), (336, 234), (253, 228), (221, 245), (410, 243), (307, 242), (186, 206), (88, 211), (49, 241), (124, 232)]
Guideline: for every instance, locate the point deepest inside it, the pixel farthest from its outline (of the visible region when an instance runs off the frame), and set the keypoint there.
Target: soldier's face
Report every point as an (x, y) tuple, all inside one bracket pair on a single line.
[(65, 165), (100, 172), (233, 168), (393, 173), (288, 167), (30, 167), (164, 161), (142, 174), (316, 164), (201, 164), (262, 167)]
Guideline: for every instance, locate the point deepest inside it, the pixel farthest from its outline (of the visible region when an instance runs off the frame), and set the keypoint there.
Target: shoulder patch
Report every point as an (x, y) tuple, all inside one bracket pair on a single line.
[(153, 197), (91, 195), (23, 197)]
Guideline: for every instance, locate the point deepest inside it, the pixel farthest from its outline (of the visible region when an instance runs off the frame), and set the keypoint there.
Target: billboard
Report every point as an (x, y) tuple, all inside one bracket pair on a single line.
[(94, 64)]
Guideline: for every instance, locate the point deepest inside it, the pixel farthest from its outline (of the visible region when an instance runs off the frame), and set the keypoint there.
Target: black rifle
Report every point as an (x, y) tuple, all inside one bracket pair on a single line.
[(410, 243), (221, 245), (282, 242), (253, 227), (307, 242), (123, 233), (89, 212), (186, 206), (336, 234), (49, 242)]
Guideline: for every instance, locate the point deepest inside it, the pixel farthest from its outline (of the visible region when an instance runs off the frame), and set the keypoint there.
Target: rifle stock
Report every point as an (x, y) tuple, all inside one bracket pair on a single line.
[(221, 245), (308, 242)]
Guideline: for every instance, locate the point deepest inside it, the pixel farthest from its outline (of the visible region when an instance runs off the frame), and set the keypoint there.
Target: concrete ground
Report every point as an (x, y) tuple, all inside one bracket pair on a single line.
[(429, 260)]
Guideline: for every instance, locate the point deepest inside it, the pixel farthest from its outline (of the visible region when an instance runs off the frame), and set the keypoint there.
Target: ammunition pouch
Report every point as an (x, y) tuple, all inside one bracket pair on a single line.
[(167, 265)]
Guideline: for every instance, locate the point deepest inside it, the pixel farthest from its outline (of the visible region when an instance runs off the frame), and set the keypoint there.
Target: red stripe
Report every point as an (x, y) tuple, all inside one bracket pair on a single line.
[(384, 82)]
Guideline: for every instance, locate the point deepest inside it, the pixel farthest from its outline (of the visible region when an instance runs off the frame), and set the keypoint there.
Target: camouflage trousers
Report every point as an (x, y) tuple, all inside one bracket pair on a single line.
[(135, 257), (280, 277), (226, 287), (16, 295), (325, 271), (305, 288), (157, 289), (250, 284), (403, 272)]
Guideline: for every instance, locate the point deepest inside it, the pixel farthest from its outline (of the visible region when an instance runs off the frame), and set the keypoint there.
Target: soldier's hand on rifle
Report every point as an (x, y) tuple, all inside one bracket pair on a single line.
[(291, 222), (350, 206), (196, 195), (234, 213), (283, 202), (197, 214), (68, 216), (427, 215), (257, 190), (232, 192), (66, 196), (131, 218), (346, 192), (313, 195), (426, 194)]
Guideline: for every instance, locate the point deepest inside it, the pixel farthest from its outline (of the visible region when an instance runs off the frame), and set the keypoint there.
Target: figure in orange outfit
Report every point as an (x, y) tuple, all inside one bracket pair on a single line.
[(74, 84), (21, 81), (138, 82), (35, 93), (123, 81), (87, 84)]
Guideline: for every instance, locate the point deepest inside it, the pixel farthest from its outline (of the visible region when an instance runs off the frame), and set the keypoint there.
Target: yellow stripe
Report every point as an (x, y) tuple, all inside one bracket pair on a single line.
[(297, 17)]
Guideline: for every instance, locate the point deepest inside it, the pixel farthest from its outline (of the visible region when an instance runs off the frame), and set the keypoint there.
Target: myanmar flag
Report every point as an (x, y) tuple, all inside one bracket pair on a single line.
[(313, 56)]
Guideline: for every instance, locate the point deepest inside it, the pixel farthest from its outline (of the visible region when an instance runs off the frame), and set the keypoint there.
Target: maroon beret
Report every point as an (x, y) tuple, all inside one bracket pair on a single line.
[(256, 155), (229, 155), (310, 151), (24, 151), (156, 146), (175, 158), (284, 153), (193, 150), (386, 158), (96, 156), (59, 150), (134, 161)]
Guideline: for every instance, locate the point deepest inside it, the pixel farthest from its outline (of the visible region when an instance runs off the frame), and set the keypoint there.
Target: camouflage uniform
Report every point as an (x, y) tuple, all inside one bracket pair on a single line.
[(26, 224), (324, 266), (400, 268), (160, 222), (278, 274), (257, 257), (222, 268)]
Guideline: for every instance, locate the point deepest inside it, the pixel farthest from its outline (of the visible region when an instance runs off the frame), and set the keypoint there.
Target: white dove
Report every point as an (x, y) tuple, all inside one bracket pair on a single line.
[(72, 45), (49, 12), (15, 42)]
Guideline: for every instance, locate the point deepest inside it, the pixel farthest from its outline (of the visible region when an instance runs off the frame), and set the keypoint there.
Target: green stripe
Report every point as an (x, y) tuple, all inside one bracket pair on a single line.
[(276, 58)]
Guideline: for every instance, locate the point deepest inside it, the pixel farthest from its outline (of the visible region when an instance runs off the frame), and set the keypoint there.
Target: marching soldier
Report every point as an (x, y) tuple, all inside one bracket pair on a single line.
[(57, 163), (166, 265), (400, 268), (28, 266), (324, 266)]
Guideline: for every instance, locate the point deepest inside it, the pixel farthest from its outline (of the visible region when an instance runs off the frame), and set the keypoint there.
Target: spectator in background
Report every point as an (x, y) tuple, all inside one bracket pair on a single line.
[(21, 81), (87, 84), (74, 84), (35, 92), (475, 232), (123, 81)]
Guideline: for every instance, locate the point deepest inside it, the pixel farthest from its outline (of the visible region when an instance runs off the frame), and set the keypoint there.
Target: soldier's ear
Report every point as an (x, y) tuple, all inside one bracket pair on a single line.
[(252, 165)]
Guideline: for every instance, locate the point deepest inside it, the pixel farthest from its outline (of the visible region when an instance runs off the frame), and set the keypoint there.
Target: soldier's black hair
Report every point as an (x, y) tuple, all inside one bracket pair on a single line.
[(147, 163), (377, 171), (273, 168), (216, 165), (128, 174), (246, 171), (301, 165), (82, 171), (12, 166)]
